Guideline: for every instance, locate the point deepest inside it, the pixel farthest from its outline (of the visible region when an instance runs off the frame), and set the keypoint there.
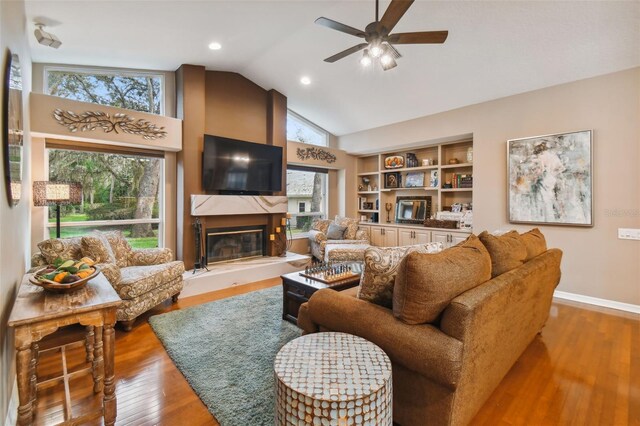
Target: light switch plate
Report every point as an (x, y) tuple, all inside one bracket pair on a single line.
[(628, 234)]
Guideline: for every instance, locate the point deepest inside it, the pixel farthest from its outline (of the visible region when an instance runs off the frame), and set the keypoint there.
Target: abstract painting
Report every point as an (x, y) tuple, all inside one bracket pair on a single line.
[(550, 179)]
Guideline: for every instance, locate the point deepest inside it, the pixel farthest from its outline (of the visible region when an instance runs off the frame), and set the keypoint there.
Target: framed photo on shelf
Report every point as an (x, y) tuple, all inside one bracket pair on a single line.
[(433, 179), (367, 206), (550, 179), (414, 180), (392, 180)]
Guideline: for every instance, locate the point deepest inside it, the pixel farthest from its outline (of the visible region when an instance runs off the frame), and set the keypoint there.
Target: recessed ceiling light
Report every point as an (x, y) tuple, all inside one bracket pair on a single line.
[(215, 46), (305, 80)]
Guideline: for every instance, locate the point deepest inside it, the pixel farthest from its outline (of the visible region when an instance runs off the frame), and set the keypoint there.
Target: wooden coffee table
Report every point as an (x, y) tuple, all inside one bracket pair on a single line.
[(297, 290)]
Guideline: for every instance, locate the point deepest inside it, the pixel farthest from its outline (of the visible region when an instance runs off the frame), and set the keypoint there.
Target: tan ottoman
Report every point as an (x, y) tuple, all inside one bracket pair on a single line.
[(333, 379), (345, 252)]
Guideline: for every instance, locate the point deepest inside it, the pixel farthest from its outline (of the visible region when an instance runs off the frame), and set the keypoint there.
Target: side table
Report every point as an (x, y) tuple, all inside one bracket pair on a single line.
[(37, 313), (333, 379)]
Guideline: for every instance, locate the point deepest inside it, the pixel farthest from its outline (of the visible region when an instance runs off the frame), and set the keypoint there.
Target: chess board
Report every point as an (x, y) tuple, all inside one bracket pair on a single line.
[(330, 279)]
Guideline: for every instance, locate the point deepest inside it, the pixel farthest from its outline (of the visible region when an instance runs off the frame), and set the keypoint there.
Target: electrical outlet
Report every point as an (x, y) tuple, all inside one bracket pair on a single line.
[(628, 234)]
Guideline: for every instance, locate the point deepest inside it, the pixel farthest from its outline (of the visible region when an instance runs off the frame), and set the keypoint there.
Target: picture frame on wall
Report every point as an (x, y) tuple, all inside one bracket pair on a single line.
[(550, 179), (392, 180)]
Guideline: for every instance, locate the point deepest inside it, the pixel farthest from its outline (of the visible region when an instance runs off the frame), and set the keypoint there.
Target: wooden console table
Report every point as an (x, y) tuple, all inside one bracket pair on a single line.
[(37, 313)]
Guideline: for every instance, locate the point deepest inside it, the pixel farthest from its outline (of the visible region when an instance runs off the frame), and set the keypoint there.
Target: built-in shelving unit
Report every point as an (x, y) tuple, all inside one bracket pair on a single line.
[(447, 163)]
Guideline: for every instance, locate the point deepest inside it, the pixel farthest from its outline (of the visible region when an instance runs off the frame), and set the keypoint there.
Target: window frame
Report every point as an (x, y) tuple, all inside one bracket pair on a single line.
[(110, 72), (325, 198), (310, 124), (160, 220)]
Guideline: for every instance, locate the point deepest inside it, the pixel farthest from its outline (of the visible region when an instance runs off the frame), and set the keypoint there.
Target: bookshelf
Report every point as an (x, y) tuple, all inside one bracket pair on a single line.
[(447, 163)]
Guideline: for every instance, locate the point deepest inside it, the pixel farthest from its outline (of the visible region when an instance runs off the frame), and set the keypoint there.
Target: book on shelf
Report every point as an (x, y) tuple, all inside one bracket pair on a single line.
[(461, 181)]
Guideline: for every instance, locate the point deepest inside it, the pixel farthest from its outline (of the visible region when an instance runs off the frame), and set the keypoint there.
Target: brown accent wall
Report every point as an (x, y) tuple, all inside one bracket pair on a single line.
[(222, 104)]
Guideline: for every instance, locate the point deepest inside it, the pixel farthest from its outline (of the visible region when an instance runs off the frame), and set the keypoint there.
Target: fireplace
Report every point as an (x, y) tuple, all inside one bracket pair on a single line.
[(235, 243)]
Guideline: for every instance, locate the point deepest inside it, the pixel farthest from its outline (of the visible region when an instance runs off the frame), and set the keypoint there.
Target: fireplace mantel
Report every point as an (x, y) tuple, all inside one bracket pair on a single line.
[(224, 205)]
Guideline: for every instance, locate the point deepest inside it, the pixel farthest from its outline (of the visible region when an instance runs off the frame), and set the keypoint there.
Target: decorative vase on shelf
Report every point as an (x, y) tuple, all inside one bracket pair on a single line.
[(470, 154)]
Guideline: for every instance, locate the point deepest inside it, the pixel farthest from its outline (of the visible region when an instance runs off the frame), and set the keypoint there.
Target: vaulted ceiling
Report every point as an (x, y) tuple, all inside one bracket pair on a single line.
[(494, 49)]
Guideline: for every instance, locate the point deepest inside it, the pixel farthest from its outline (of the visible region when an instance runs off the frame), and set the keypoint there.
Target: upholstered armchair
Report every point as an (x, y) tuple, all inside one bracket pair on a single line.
[(318, 238), (143, 278)]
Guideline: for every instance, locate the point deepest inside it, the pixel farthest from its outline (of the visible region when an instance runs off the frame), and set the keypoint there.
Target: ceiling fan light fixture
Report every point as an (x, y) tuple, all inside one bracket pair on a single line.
[(375, 49), (366, 59), (388, 62)]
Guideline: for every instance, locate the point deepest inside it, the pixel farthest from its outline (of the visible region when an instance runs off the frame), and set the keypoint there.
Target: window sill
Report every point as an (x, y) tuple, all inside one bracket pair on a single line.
[(300, 236)]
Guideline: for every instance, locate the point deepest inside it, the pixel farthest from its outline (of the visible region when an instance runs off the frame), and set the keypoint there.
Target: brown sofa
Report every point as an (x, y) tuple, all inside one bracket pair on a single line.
[(444, 372), (143, 278)]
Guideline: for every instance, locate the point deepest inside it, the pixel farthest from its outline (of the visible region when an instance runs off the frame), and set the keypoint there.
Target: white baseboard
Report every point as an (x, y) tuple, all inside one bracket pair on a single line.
[(12, 409), (628, 307)]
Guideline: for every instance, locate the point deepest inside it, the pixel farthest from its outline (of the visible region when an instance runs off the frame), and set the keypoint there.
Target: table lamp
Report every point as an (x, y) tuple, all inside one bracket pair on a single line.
[(56, 193)]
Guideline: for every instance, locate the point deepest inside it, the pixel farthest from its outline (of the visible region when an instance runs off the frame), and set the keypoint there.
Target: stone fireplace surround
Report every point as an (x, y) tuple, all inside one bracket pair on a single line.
[(237, 213)]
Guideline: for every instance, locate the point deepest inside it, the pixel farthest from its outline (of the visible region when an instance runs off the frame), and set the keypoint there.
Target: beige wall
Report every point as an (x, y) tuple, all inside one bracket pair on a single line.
[(595, 263), (14, 221)]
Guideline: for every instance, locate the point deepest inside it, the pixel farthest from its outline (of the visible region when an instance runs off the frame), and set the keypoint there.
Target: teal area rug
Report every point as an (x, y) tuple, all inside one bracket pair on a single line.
[(225, 350)]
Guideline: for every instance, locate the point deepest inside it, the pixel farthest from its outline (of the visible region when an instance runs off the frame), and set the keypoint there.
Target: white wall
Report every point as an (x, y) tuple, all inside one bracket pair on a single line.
[(595, 263), (14, 221)]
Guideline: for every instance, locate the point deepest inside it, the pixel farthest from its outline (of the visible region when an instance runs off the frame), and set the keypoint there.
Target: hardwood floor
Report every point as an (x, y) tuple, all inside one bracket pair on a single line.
[(583, 369)]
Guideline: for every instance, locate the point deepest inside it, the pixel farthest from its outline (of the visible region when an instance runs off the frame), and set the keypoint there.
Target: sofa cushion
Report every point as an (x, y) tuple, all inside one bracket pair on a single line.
[(97, 247), (64, 248), (380, 269), (507, 251), (426, 283), (349, 223), (137, 280), (335, 231), (535, 243), (348, 252), (321, 225), (120, 247)]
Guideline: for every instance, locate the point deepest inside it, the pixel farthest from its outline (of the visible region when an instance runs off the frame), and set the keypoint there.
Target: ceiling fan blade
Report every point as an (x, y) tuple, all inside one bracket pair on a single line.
[(394, 12), (334, 25), (347, 52), (423, 37)]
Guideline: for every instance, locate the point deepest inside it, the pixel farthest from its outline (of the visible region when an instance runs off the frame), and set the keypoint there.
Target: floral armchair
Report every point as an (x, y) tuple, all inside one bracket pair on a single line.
[(143, 278), (318, 239)]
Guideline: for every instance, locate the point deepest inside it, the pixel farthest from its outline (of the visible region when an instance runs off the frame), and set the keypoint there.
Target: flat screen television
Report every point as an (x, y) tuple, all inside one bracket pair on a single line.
[(240, 167)]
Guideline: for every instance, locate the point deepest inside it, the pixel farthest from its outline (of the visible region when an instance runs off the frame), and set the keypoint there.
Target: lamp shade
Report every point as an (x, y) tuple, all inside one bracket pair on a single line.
[(46, 193)]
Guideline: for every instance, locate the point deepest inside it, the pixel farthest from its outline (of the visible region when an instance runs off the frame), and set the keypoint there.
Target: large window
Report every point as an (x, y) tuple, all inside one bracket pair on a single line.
[(300, 129), (307, 194), (119, 191), (131, 90)]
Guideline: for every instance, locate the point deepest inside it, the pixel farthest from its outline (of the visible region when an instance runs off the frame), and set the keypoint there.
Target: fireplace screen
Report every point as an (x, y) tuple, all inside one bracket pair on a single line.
[(235, 243)]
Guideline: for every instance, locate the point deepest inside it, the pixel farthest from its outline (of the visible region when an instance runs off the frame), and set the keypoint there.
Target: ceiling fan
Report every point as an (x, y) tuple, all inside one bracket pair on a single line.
[(378, 38)]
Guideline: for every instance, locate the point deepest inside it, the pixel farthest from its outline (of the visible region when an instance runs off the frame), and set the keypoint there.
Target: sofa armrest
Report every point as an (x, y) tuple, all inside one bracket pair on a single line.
[(421, 348), (111, 272), (362, 234), (151, 256), (317, 236), (38, 260)]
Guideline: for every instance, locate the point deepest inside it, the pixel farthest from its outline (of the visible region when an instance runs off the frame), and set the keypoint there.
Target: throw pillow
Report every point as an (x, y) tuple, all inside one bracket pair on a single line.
[(120, 247), (63, 248), (321, 225), (427, 283), (380, 269), (97, 247), (535, 243), (335, 232), (350, 224), (507, 251)]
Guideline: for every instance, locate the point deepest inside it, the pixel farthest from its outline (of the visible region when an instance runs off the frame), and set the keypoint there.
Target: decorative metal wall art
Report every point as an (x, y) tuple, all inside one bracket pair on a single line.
[(314, 153), (92, 120)]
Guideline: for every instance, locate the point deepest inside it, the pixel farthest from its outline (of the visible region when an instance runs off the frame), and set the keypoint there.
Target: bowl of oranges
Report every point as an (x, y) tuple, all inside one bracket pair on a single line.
[(65, 275)]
